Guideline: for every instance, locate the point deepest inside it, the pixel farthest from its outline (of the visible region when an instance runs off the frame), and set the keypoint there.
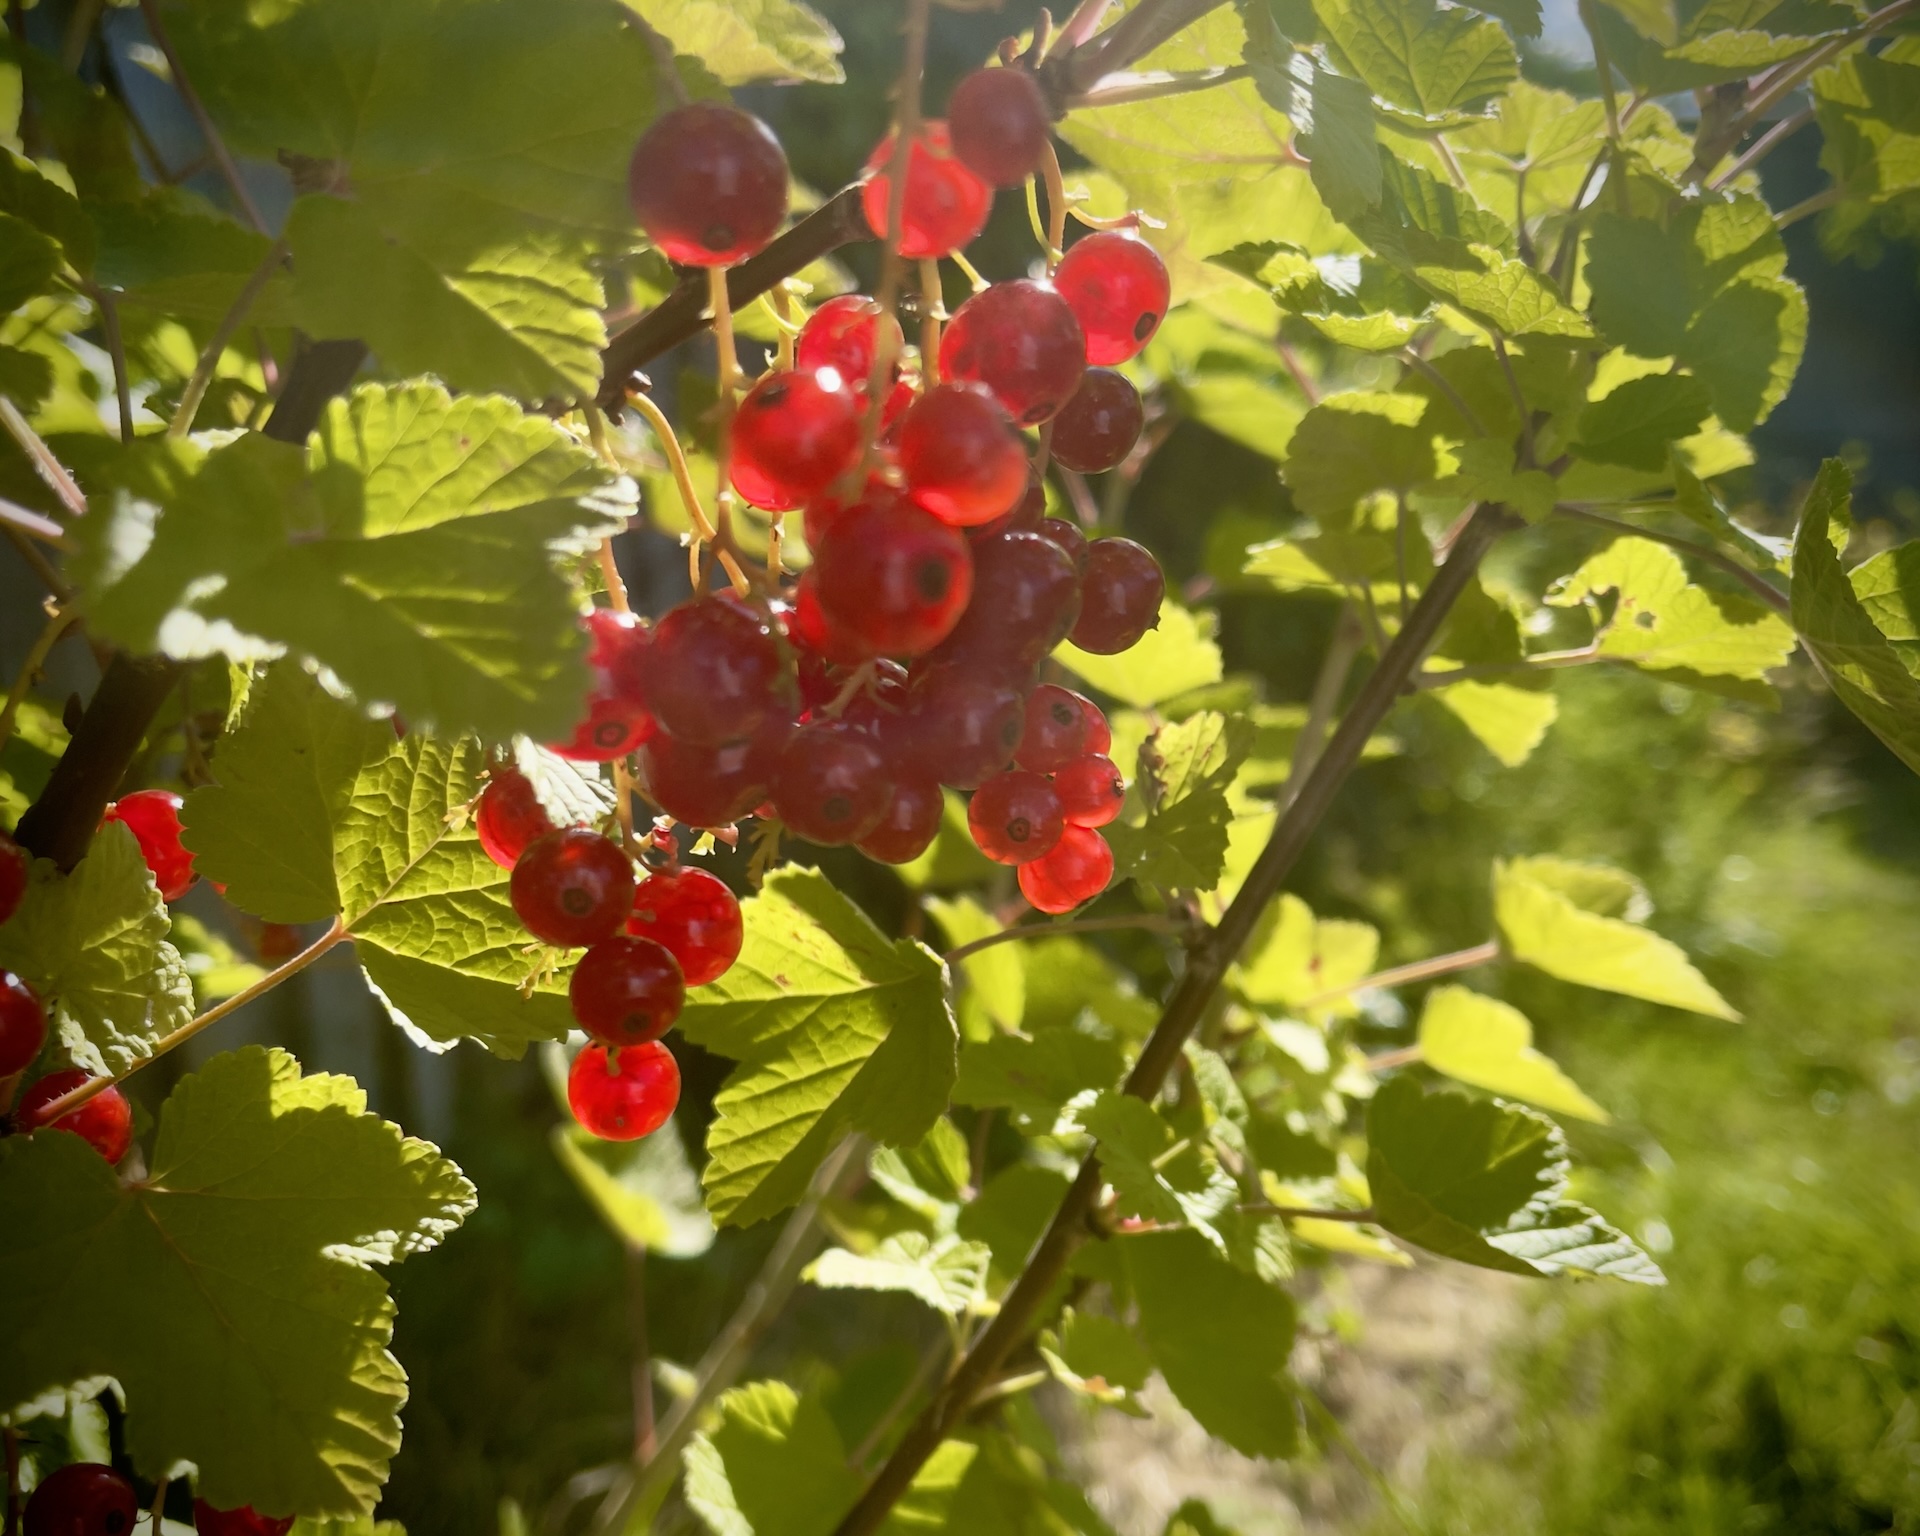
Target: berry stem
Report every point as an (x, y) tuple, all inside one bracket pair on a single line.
[(932, 312), (677, 462), (59, 621), (726, 371), (159, 1503), (41, 457), (780, 302), (959, 259), (209, 363), (1149, 922), (1056, 205)]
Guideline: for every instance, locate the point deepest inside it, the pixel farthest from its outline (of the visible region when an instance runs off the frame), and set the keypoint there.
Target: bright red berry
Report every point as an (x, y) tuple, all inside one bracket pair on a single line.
[(825, 510), (1022, 342), (1117, 285), (616, 719), (623, 1094), (1031, 597), (1098, 427), (82, 1499), (14, 864), (794, 434), (1000, 124), (1075, 871), (946, 204), (717, 673), (1119, 596), (694, 916), (23, 1024), (961, 456), (961, 726), (104, 1122), (701, 786), (1015, 817), (815, 633), (1056, 729), (153, 817), (510, 816), (1099, 733), (1091, 790), (244, 1521), (626, 990), (895, 580), (832, 785), (708, 184), (1072, 541), (909, 825), (842, 334), (573, 887)]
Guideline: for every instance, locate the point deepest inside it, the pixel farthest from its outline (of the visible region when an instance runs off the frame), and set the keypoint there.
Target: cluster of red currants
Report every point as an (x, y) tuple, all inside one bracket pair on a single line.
[(86, 1498)]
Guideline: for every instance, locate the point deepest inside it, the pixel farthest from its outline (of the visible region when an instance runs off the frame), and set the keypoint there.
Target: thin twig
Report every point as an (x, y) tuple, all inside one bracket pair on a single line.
[(1763, 146), (1149, 922), (641, 1366), (209, 362), (1405, 975), (150, 9), (159, 1503), (1133, 37), (1386, 1061), (1806, 208), (117, 352), (1155, 85), (1761, 588), (1543, 661), (1303, 381), (1604, 67), (1519, 401), (1328, 685), (1307, 1212), (26, 521), (58, 623), (45, 464), (1441, 382)]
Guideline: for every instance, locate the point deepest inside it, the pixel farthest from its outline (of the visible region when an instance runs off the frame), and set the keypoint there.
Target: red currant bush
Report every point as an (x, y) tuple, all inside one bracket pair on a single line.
[(694, 916), (708, 184), (843, 334), (104, 1122), (961, 457), (1000, 124), (832, 785), (510, 816), (716, 673), (893, 580), (573, 888), (624, 1093), (1091, 790), (244, 1521), (794, 434), (616, 719), (1015, 817), (1020, 340), (1056, 729), (702, 786), (1120, 596), (1072, 873), (82, 1499), (909, 825), (14, 862), (153, 817), (23, 1024), (1117, 287), (946, 204), (626, 991), (1098, 427)]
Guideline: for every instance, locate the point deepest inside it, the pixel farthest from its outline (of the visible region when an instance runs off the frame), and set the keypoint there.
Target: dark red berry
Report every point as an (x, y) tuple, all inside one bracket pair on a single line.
[(153, 817), (961, 457), (717, 673), (1117, 286), (244, 1521), (794, 434), (1068, 536), (842, 334), (23, 1024), (1099, 733), (1000, 124), (694, 916), (1076, 870), (616, 719), (573, 887), (1015, 817), (276, 942), (877, 707), (623, 1094), (626, 990), (910, 824), (832, 785), (703, 786), (895, 580), (1091, 790), (961, 726), (104, 1122), (82, 1499), (946, 204), (1120, 596), (1056, 729), (1030, 599), (1022, 342), (14, 864), (510, 816), (814, 633), (1098, 427), (708, 184)]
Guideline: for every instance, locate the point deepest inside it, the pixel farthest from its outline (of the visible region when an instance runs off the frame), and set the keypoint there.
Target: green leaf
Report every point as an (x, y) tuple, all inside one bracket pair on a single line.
[(1098, 1358), (745, 40), (92, 943), (28, 194), (835, 1029), (1870, 135), (1349, 446), (1493, 288), (1175, 657), (1636, 422), (1860, 665), (1010, 1214), (1172, 830), (1339, 143), (1337, 563), (1511, 718), (1487, 473), (28, 262), (772, 1465), (171, 254), (1888, 587), (1295, 957), (996, 977), (1149, 1177), (1036, 1076), (1745, 346), (1420, 56), (947, 1273), (1480, 1040), (1542, 907), (930, 1179), (1194, 1518), (645, 1190), (230, 1293)]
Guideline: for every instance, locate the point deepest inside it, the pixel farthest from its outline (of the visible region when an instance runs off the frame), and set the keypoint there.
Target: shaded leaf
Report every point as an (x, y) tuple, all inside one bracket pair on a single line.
[(1172, 830), (644, 1190)]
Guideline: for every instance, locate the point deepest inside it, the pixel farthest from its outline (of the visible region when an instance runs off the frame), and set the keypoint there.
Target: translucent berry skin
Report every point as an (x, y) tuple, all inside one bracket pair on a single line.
[(510, 817), (626, 991), (825, 510), (1117, 287), (1030, 599), (708, 184), (1072, 541), (694, 916), (1091, 790), (626, 1093), (816, 634), (23, 1024), (617, 719), (1098, 427), (1075, 871), (961, 726), (82, 1499), (153, 817), (1099, 733), (710, 786), (794, 434), (1120, 595), (14, 861), (832, 785), (1022, 342), (1015, 817), (910, 824), (572, 888), (842, 334), (717, 673), (896, 580), (277, 942), (1000, 125), (946, 204), (244, 1521), (961, 457), (1056, 729), (104, 1122)]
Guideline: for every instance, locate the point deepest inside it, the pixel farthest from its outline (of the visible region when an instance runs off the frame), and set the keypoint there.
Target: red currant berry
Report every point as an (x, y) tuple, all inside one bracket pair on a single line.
[(1035, 598), (244, 1521), (895, 580), (616, 719), (1015, 817), (875, 710), (842, 334), (1117, 286), (694, 916), (626, 990), (1075, 871), (1068, 536), (1119, 597), (153, 817), (276, 942), (1056, 729), (623, 1094), (911, 823), (14, 864), (1099, 733), (793, 436), (1098, 427), (1000, 124), (1091, 790), (816, 634), (717, 673), (572, 887), (82, 1499), (104, 1122), (832, 785), (510, 816), (1022, 342), (703, 786), (961, 727), (23, 1024), (825, 510), (708, 184), (961, 457), (946, 204)]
